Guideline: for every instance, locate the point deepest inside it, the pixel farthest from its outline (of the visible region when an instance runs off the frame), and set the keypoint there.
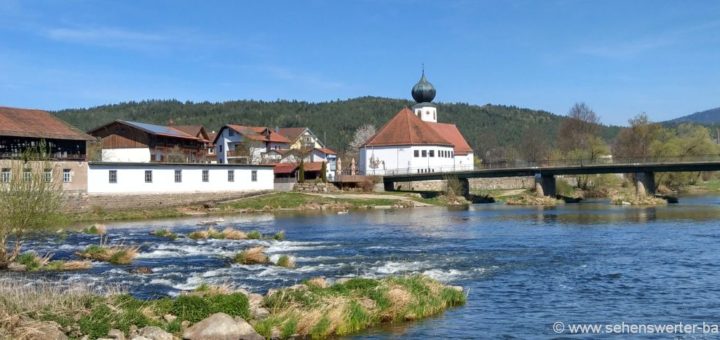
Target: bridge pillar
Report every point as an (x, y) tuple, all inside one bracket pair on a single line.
[(389, 185), (545, 185), (464, 187), (644, 184)]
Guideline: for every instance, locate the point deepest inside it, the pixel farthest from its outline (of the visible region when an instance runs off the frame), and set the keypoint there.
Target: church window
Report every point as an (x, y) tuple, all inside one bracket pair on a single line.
[(424, 153), (417, 153), (432, 153)]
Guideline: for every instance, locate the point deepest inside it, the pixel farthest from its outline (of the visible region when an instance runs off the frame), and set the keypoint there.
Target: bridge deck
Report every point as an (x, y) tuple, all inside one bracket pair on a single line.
[(613, 168)]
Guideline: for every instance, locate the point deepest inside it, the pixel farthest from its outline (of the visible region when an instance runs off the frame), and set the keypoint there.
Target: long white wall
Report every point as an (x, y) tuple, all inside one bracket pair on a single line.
[(137, 155), (130, 178)]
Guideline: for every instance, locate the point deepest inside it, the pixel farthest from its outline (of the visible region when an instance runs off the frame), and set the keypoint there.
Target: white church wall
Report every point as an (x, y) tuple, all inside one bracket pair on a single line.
[(402, 159), (464, 162)]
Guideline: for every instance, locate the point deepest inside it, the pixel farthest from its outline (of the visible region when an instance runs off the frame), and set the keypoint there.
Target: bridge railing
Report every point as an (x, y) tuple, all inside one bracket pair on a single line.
[(514, 164), (509, 164)]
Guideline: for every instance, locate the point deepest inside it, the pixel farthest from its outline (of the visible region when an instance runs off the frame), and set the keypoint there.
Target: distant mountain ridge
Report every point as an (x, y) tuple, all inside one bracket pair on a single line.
[(484, 127), (707, 117)]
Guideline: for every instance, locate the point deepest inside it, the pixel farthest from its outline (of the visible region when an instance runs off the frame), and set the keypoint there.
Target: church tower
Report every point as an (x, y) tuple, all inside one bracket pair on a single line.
[(423, 92)]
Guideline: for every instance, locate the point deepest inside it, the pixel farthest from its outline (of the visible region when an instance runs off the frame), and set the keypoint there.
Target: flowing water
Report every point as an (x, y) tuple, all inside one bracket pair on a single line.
[(525, 268)]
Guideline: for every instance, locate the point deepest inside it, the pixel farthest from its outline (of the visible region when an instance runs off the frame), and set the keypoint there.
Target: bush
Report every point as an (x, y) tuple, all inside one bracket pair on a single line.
[(254, 235), (279, 236), (286, 261), (30, 261), (253, 255), (190, 308), (166, 233), (195, 308)]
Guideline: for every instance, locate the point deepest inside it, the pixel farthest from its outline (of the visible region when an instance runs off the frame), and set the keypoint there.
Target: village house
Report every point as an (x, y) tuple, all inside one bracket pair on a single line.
[(65, 147), (414, 142), (241, 144), (127, 141)]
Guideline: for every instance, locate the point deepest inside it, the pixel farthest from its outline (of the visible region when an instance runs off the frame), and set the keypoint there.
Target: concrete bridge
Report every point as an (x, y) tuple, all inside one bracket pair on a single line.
[(544, 174)]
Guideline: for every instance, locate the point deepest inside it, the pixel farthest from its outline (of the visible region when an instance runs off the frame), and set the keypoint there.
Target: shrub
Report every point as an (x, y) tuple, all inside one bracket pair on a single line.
[(279, 236), (253, 255), (166, 233), (286, 261), (254, 235), (190, 308), (30, 260), (234, 304), (114, 254)]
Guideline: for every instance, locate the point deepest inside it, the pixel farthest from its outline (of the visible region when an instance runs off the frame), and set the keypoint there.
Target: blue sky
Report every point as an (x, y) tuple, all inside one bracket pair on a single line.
[(620, 57)]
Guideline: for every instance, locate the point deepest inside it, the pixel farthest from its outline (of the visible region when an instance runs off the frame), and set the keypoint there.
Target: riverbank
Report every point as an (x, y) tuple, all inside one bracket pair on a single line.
[(316, 309), (267, 202)]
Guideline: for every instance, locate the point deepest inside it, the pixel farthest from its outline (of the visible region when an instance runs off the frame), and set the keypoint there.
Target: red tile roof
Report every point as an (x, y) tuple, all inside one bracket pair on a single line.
[(288, 168), (285, 168), (327, 151), (259, 133), (313, 166), (292, 133), (37, 124), (193, 130), (453, 135), (406, 129)]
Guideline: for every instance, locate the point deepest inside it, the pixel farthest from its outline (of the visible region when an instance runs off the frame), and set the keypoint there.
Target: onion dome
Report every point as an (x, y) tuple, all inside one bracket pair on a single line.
[(423, 91)]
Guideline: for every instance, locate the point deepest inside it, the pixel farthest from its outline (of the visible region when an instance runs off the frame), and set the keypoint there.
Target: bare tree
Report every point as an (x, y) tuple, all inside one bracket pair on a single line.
[(534, 146), (635, 141), (578, 130), (362, 134), (30, 200)]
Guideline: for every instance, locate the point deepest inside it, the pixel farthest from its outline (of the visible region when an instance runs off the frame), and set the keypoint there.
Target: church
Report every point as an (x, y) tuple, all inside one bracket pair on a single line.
[(414, 142)]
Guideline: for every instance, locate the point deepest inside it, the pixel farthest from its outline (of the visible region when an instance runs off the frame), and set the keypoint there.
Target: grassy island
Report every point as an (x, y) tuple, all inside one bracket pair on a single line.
[(314, 309)]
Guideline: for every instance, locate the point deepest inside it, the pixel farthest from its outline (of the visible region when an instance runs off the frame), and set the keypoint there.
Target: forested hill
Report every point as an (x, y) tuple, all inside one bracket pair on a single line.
[(485, 127), (708, 117)]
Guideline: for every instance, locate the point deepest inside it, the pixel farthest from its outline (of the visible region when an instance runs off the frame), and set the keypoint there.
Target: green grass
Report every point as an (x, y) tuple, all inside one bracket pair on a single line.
[(123, 215), (313, 311), (274, 200), (279, 236), (166, 233), (294, 200), (30, 261), (254, 235), (356, 304)]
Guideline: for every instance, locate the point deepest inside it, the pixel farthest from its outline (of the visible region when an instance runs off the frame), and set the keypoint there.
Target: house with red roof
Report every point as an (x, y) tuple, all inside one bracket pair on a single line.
[(414, 142), (248, 144), (65, 146)]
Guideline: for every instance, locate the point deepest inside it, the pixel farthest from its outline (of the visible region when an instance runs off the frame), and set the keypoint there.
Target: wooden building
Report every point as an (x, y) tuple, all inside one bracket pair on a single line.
[(65, 147), (126, 141)]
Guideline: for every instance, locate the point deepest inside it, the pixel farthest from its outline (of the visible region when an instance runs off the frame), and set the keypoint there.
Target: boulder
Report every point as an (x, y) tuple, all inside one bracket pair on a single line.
[(221, 326), (116, 334), (155, 333), (258, 313), (48, 330), (142, 270)]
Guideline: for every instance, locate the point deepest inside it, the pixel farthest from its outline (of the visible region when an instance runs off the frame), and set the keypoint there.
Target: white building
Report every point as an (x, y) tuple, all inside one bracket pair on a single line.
[(248, 144), (162, 178), (414, 142)]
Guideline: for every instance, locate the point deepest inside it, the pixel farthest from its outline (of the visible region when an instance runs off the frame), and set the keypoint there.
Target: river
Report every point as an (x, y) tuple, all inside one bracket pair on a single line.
[(525, 268)]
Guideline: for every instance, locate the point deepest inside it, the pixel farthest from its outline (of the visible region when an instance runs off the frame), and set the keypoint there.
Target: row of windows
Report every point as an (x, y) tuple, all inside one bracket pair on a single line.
[(6, 175), (431, 153), (425, 171), (112, 176)]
